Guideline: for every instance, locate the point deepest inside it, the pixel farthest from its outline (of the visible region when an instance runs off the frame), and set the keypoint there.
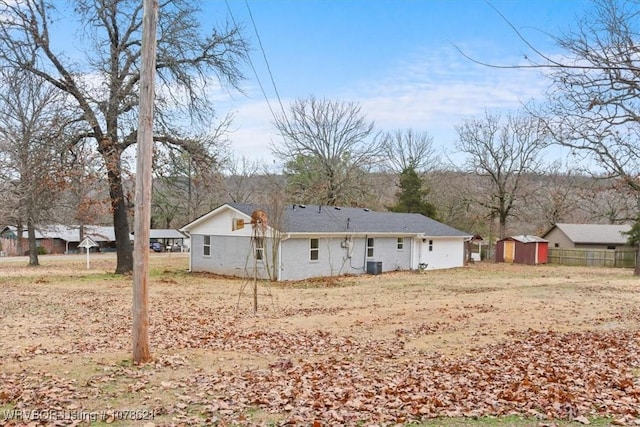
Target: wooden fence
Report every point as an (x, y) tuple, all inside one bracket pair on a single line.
[(593, 257)]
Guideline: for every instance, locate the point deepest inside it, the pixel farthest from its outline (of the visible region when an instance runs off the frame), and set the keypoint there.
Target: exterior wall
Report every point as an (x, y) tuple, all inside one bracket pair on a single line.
[(232, 256), (334, 259), (557, 239), (445, 252), (603, 246), (525, 253), (10, 246), (500, 251), (296, 263)]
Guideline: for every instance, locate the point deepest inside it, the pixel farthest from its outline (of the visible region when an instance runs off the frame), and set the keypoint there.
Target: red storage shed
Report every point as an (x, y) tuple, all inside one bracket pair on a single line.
[(522, 250)]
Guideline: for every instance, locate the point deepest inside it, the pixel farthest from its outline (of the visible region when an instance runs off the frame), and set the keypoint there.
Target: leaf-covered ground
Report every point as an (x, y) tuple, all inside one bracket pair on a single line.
[(545, 343)]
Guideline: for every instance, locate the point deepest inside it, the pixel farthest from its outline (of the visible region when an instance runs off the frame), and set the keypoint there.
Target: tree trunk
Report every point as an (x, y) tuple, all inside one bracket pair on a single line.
[(636, 269), (33, 248), (120, 218), (19, 240)]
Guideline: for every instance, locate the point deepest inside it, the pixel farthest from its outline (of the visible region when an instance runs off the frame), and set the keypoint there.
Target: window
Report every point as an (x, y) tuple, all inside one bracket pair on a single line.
[(369, 247), (314, 247), (400, 244), (611, 247), (259, 245), (430, 245), (556, 245), (206, 246)]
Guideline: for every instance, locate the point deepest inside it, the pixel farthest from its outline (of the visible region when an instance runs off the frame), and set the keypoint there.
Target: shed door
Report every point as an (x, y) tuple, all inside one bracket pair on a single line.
[(509, 250), (543, 253)]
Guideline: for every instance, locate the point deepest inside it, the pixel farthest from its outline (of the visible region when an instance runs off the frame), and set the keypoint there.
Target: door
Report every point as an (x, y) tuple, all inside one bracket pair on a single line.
[(509, 250)]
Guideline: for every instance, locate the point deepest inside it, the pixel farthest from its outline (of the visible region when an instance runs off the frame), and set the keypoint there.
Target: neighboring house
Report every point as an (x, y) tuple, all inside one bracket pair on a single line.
[(587, 236), (523, 249), (315, 241), (58, 238)]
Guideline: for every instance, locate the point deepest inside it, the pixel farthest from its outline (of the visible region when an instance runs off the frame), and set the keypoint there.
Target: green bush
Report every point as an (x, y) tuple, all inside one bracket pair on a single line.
[(42, 250)]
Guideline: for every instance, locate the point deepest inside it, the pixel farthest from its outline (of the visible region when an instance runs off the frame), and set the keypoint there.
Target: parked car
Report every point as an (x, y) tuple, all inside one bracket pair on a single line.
[(155, 246)]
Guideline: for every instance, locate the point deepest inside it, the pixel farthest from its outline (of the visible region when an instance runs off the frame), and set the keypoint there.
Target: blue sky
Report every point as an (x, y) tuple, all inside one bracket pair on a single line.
[(395, 58)]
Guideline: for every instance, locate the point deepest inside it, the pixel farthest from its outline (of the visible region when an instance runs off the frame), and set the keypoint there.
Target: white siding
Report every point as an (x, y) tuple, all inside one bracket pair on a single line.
[(221, 225), (335, 259), (231, 256), (446, 252)]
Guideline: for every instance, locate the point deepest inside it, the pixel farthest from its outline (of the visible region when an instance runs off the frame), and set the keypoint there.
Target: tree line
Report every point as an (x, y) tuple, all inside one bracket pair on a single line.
[(67, 123)]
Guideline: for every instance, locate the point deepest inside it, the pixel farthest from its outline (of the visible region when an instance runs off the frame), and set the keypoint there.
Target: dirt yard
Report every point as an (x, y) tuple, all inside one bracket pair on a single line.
[(546, 344)]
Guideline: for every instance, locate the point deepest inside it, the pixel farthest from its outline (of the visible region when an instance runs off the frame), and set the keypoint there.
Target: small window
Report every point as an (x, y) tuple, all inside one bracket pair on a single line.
[(556, 245), (259, 243), (430, 245), (369, 247), (400, 244), (206, 246), (611, 247), (314, 247)]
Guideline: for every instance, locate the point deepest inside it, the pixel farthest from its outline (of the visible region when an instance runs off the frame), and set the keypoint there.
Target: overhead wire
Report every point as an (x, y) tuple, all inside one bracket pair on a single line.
[(264, 56)]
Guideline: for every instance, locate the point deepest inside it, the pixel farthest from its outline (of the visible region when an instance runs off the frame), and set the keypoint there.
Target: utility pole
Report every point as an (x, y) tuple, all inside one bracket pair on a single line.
[(141, 352)]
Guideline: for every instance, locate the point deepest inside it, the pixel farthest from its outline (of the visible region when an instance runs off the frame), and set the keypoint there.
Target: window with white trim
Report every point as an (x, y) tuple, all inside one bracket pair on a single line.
[(206, 246), (259, 246), (400, 244), (370, 247), (430, 245), (314, 249)]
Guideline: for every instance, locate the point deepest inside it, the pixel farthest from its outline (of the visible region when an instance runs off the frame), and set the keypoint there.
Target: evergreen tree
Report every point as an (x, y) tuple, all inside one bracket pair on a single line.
[(411, 197)]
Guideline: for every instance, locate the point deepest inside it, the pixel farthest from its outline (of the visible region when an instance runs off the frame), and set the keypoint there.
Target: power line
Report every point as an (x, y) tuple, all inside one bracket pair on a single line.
[(255, 72), (264, 56)]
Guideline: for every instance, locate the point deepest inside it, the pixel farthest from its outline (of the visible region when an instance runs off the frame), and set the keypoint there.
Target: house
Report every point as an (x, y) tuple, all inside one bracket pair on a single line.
[(522, 249), (303, 241), (588, 236), (59, 238)]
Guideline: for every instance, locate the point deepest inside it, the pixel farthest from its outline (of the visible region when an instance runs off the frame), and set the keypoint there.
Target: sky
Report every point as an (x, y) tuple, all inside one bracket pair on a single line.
[(396, 58)]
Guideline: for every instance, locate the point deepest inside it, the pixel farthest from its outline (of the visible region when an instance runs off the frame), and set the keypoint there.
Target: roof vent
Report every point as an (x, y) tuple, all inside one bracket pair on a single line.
[(366, 209), (302, 206), (337, 208)]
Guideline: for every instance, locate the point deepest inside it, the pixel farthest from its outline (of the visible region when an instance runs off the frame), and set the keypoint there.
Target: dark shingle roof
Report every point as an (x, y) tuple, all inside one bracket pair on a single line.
[(327, 219)]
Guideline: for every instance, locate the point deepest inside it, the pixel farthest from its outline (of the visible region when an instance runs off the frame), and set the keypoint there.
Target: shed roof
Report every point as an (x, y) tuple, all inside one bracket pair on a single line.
[(594, 233), (165, 233), (526, 238), (328, 219)]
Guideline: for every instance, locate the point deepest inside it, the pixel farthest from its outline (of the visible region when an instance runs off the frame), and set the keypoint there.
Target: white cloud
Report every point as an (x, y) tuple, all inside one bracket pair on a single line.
[(432, 91)]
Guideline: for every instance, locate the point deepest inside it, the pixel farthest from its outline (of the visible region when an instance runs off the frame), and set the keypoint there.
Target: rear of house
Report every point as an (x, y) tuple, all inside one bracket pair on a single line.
[(303, 241)]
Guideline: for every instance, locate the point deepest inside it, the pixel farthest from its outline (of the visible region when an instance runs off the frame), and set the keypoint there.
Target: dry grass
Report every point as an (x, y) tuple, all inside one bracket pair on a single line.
[(74, 324)]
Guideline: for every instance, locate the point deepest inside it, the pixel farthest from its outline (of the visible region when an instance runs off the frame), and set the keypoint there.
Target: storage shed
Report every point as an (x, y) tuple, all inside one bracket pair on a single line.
[(522, 249)]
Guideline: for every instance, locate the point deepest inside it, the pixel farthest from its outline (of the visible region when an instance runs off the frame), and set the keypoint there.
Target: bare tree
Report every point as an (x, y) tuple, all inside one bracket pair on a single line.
[(328, 148), (104, 86), (556, 194), (409, 149), (189, 183), (594, 97), (240, 180), (501, 153), (33, 151)]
